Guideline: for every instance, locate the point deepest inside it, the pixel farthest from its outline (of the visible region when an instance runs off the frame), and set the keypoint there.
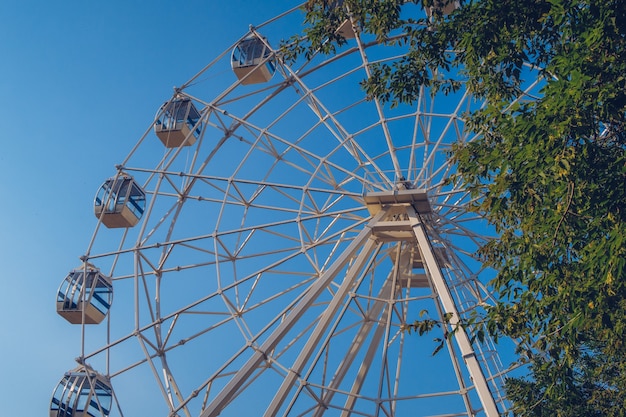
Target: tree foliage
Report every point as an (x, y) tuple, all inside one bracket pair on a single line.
[(549, 172)]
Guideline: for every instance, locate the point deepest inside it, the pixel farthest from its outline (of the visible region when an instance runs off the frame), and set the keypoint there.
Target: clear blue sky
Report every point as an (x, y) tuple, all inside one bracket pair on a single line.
[(79, 83)]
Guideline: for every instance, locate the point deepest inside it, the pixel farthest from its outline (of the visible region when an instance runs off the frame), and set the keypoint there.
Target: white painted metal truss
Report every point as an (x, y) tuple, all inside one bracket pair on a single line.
[(282, 254)]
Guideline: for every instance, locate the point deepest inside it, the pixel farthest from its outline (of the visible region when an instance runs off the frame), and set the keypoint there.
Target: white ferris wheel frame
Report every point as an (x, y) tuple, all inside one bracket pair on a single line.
[(375, 209)]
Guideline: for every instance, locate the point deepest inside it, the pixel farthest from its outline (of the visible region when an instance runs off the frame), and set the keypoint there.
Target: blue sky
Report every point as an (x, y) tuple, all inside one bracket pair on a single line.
[(79, 83)]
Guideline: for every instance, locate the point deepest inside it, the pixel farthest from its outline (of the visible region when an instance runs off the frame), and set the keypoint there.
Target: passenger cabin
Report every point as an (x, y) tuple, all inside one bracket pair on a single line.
[(178, 123), (252, 61), (85, 293), (82, 393), (444, 7), (345, 30), (120, 202)]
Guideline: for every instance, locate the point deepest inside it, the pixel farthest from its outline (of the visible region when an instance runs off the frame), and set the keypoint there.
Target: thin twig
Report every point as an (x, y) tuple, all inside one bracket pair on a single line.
[(570, 197)]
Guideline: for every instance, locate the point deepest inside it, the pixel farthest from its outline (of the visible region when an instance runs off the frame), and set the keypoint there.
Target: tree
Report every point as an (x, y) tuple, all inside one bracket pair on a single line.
[(549, 173)]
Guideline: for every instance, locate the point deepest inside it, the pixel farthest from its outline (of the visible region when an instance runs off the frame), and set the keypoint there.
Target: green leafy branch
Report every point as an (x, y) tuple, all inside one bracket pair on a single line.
[(425, 324)]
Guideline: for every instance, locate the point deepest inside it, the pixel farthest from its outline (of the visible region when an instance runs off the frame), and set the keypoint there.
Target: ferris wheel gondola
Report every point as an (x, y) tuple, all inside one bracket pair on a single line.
[(120, 202), (252, 61), (178, 123), (85, 296), (82, 392)]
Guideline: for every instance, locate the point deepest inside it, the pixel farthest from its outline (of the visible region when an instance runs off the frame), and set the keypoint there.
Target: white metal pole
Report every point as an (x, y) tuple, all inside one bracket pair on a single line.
[(295, 371), (356, 345), (444, 295)]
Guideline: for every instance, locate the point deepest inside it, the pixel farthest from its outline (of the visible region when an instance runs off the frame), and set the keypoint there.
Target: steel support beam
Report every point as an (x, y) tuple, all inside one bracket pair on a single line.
[(364, 369), (356, 345), (449, 306), (238, 380), (295, 371)]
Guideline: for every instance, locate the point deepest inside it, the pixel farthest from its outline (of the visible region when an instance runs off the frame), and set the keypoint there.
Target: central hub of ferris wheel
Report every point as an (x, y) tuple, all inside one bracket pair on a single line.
[(395, 224), (417, 198)]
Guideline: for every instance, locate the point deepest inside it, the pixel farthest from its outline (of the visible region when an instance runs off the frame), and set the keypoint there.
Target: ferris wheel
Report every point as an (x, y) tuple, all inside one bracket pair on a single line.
[(267, 242)]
